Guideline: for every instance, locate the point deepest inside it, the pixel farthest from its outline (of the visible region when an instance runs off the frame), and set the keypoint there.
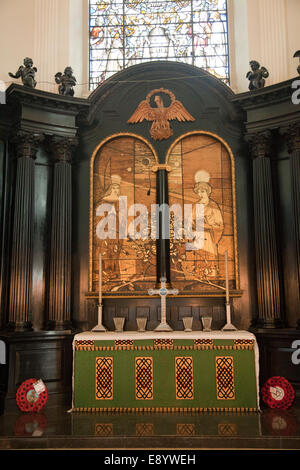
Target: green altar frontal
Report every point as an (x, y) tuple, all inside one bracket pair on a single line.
[(175, 371)]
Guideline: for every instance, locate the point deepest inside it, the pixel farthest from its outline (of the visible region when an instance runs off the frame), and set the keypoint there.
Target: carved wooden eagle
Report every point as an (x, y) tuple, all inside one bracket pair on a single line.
[(160, 115)]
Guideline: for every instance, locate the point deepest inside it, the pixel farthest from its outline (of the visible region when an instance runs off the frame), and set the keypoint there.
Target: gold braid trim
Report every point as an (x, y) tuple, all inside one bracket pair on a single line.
[(192, 347), (165, 410)]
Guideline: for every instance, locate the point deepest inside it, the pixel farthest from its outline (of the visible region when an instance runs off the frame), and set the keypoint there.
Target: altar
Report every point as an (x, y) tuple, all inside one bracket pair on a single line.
[(165, 371)]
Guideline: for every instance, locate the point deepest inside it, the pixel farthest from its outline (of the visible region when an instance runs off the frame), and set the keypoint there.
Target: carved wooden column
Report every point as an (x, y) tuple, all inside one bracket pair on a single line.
[(21, 254), (292, 135), (267, 274), (59, 317)]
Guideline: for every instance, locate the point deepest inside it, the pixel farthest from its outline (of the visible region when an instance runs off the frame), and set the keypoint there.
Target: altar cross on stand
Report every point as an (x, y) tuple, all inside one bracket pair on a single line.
[(163, 292)]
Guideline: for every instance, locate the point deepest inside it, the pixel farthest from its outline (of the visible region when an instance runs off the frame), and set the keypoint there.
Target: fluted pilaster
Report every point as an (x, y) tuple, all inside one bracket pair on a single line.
[(292, 135), (61, 235), (267, 273), (26, 145)]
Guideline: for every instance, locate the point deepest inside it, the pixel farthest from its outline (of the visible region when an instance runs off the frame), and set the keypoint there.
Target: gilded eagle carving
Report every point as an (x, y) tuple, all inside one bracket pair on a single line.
[(160, 115)]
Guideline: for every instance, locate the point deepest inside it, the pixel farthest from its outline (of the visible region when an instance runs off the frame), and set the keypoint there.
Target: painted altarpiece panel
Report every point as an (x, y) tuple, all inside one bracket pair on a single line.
[(121, 167), (202, 172)]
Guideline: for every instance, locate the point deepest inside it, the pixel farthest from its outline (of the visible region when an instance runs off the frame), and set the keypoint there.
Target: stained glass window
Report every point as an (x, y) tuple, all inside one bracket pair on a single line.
[(129, 32)]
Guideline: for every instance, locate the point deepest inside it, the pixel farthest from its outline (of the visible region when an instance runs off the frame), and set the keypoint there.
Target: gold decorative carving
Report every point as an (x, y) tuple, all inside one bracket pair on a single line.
[(160, 115)]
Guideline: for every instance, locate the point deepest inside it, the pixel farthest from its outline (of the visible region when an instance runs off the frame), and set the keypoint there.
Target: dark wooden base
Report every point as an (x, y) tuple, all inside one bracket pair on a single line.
[(20, 327), (59, 326), (45, 355), (262, 324), (275, 352)]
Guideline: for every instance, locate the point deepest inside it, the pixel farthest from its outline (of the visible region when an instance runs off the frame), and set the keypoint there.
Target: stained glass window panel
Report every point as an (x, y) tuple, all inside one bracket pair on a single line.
[(128, 32)]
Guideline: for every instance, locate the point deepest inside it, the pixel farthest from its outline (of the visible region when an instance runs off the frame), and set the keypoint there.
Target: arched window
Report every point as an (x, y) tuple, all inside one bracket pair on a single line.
[(128, 32)]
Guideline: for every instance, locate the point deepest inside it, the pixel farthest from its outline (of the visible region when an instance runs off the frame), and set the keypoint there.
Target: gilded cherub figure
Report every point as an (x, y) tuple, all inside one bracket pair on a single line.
[(66, 82), (257, 76), (26, 72)]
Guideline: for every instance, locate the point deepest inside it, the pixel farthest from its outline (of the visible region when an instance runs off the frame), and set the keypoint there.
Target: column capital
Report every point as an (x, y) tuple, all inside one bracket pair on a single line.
[(61, 148), (260, 144), (26, 143), (161, 166), (291, 134)]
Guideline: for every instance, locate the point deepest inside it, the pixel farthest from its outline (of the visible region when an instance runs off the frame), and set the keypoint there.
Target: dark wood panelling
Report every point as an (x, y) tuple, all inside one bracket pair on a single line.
[(177, 308), (286, 238), (271, 110), (5, 229), (41, 239), (2, 167), (40, 355), (143, 312), (275, 349), (2, 197)]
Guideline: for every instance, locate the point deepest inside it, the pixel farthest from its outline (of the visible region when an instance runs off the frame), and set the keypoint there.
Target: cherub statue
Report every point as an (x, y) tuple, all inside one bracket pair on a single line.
[(66, 82), (26, 72), (257, 76)]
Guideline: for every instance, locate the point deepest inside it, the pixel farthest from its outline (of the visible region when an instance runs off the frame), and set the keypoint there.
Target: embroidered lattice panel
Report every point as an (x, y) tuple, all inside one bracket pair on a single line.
[(144, 378), (104, 378), (184, 378), (225, 378)]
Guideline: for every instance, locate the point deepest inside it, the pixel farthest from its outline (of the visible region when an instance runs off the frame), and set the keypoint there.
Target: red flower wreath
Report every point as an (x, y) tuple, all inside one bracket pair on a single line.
[(28, 399), (33, 424), (277, 392), (280, 422)]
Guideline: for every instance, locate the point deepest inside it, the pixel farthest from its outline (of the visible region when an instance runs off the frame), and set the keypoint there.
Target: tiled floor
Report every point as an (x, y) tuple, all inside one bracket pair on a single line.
[(55, 428)]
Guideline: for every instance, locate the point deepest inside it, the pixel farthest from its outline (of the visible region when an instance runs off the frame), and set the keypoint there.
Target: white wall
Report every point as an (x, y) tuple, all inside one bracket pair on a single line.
[(293, 36), (16, 35), (55, 34), (79, 44), (266, 31), (268, 36), (238, 44)]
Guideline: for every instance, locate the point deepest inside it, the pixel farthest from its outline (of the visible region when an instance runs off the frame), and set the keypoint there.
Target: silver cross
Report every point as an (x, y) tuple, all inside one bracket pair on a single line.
[(163, 292)]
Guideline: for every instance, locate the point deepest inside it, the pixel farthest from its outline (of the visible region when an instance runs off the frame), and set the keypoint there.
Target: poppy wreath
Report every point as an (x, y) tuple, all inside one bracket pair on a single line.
[(28, 399), (277, 392), (280, 422), (28, 424)]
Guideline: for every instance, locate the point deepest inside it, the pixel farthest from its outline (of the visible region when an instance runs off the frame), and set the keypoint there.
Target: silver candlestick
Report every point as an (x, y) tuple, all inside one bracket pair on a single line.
[(99, 326), (229, 326)]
